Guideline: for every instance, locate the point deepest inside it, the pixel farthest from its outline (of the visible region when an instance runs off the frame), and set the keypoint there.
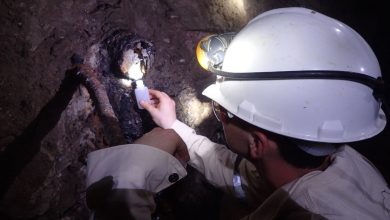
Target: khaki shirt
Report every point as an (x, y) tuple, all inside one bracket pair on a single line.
[(351, 188)]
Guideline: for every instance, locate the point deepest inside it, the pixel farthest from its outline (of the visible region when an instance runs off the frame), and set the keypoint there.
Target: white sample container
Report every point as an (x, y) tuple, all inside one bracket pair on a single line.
[(141, 93)]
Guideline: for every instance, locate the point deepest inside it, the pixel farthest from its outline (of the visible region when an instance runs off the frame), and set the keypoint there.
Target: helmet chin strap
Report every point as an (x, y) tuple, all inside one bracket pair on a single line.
[(376, 84)]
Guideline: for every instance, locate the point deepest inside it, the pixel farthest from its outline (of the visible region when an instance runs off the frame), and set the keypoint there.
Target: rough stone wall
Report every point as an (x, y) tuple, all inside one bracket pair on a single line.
[(51, 185), (37, 40)]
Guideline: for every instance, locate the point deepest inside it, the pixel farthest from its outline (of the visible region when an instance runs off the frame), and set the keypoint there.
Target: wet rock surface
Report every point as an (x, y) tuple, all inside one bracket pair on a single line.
[(49, 122)]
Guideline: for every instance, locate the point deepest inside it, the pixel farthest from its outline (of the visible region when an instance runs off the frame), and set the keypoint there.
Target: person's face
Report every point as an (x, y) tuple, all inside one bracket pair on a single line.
[(237, 138)]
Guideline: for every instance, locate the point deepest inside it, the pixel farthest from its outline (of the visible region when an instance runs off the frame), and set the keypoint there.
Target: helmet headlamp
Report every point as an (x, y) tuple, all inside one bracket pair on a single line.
[(211, 49)]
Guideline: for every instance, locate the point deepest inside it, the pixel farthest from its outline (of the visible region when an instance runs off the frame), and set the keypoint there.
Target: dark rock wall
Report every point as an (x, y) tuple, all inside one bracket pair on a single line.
[(51, 184), (47, 126)]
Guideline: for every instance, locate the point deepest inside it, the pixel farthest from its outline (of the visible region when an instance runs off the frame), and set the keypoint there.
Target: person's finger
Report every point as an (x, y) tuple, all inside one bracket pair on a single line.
[(148, 107), (156, 94), (153, 91)]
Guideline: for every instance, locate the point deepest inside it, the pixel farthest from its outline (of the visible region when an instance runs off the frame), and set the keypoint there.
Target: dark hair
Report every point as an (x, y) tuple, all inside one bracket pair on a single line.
[(288, 148), (295, 156)]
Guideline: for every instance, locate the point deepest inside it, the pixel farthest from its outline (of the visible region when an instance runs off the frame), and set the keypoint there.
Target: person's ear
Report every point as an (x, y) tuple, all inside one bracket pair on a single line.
[(258, 143)]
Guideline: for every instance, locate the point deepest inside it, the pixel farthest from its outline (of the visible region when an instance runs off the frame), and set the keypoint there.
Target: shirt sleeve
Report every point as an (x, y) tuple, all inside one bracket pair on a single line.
[(122, 180), (205, 154), (135, 166)]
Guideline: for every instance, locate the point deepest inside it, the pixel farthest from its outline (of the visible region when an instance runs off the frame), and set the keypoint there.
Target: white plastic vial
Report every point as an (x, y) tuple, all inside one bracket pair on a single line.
[(141, 93)]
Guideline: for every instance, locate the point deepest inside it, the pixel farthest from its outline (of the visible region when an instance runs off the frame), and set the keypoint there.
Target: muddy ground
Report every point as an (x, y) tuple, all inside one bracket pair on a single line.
[(49, 123)]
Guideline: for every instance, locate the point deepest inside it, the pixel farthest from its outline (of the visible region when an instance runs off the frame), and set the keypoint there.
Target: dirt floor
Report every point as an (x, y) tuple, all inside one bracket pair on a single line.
[(49, 122)]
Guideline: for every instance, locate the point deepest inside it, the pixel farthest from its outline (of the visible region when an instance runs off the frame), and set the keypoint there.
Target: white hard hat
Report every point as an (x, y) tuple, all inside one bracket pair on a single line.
[(310, 74)]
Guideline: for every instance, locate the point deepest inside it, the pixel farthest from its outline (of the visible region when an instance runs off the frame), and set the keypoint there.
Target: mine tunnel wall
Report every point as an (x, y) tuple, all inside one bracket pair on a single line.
[(49, 124)]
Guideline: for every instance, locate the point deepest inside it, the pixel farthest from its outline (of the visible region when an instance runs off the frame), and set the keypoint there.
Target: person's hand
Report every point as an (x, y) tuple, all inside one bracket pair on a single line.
[(161, 108), (167, 140)]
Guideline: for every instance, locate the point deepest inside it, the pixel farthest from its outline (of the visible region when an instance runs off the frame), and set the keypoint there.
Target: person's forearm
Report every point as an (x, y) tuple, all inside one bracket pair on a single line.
[(213, 160)]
